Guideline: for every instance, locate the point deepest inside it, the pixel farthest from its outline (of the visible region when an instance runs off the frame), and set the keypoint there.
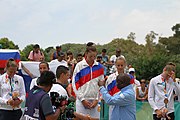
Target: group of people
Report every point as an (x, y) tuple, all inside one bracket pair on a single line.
[(119, 90)]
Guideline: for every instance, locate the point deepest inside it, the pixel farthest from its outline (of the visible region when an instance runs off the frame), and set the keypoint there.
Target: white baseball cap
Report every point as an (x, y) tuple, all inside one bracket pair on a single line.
[(131, 70)]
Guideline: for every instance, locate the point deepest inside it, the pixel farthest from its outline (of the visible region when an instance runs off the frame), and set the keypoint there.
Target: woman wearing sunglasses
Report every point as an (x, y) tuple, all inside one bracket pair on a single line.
[(142, 91)]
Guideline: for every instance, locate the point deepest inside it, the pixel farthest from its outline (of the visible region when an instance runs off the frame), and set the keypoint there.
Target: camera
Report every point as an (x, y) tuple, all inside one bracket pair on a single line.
[(69, 111), (58, 101)]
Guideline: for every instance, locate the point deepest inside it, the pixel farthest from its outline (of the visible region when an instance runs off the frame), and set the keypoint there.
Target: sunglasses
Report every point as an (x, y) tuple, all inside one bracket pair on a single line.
[(143, 82)]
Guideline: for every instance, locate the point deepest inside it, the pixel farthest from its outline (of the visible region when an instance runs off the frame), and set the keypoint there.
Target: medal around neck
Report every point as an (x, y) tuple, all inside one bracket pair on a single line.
[(166, 101)]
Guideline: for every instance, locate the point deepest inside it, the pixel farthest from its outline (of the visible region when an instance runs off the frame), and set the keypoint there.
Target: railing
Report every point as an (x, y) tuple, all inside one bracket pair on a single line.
[(143, 111)]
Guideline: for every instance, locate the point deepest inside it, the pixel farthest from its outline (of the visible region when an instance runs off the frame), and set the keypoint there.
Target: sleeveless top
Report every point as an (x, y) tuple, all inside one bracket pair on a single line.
[(141, 93)]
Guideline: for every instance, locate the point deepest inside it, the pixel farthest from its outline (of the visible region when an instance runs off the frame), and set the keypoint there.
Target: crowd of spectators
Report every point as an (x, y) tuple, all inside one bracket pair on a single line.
[(79, 77)]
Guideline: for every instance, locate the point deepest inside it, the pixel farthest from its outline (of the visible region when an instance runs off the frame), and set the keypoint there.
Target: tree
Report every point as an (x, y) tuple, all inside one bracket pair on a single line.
[(171, 45), (25, 52), (7, 44), (49, 49), (148, 67), (176, 29), (74, 48), (131, 36), (150, 42), (47, 53)]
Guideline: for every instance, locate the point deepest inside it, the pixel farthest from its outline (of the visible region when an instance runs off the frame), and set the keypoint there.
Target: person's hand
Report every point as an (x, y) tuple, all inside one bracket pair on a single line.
[(62, 108), (22, 65), (17, 102), (87, 104), (143, 99), (101, 83), (159, 113), (94, 103), (173, 76), (10, 102), (165, 110)]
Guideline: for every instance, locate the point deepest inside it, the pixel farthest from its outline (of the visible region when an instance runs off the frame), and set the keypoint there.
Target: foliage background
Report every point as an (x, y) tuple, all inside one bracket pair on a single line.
[(148, 59)]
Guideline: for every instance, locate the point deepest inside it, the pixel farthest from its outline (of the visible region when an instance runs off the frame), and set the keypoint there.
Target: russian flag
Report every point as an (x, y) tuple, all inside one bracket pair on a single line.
[(6, 54)]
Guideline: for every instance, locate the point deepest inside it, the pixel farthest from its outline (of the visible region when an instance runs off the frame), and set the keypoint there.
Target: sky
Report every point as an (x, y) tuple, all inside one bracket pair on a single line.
[(56, 22)]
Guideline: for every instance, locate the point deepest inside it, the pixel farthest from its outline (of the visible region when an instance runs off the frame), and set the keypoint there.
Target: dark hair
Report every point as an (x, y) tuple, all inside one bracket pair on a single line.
[(57, 47), (79, 54), (99, 57), (123, 77), (118, 50), (131, 72), (36, 46), (61, 69), (69, 53), (11, 63), (90, 44), (142, 81), (90, 47), (104, 50), (171, 63), (43, 62), (60, 54), (47, 78)]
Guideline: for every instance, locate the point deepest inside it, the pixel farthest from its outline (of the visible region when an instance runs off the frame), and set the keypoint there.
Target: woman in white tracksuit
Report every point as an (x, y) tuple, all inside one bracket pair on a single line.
[(86, 75), (12, 92)]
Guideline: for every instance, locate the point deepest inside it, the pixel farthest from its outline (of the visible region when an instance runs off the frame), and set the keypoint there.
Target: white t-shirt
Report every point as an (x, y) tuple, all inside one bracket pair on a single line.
[(55, 63), (33, 83), (113, 58), (59, 89)]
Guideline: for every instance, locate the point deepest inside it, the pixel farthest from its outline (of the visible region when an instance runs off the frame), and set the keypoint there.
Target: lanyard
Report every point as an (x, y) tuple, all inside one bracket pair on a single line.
[(165, 92), (11, 82), (165, 86)]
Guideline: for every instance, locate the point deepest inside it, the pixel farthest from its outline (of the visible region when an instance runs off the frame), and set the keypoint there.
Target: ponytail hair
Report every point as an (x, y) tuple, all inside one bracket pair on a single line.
[(121, 58), (90, 47)]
